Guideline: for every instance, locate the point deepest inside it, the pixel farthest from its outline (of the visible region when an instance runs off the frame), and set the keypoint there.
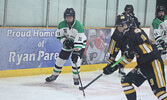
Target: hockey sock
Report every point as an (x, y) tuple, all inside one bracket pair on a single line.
[(57, 70), (129, 91), (74, 71)]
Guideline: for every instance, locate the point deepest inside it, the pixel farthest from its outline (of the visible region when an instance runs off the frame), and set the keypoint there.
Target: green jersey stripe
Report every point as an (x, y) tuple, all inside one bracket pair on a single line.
[(159, 39), (77, 46), (76, 72), (56, 71), (84, 44), (61, 38)]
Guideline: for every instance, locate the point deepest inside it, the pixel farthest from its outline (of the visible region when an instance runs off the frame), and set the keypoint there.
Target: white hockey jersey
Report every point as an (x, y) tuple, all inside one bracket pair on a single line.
[(158, 31), (76, 33)]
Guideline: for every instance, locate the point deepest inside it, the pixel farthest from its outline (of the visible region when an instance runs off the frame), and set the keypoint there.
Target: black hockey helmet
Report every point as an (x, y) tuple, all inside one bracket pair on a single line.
[(69, 12), (158, 9), (124, 19), (129, 7)]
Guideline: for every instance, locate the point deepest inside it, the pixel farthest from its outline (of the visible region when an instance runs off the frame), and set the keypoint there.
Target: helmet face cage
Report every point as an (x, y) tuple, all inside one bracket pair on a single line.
[(124, 19), (129, 7), (158, 9), (69, 12)]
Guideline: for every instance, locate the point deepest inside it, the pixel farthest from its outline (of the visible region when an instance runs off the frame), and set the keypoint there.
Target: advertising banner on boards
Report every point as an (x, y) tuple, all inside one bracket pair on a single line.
[(23, 48)]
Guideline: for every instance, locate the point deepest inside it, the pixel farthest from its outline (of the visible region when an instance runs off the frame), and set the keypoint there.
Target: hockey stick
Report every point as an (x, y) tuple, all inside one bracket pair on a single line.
[(80, 80), (82, 88)]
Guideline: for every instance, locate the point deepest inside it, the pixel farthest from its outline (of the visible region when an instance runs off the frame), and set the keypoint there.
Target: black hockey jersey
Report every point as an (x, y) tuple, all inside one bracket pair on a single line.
[(116, 44), (137, 41)]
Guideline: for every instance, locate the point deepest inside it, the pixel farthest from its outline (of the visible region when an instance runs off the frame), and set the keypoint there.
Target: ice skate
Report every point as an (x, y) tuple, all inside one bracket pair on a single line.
[(51, 78), (76, 81)]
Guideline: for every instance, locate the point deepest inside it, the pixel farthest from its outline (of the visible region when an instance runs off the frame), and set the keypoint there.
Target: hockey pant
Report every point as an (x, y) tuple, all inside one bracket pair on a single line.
[(153, 72), (60, 61)]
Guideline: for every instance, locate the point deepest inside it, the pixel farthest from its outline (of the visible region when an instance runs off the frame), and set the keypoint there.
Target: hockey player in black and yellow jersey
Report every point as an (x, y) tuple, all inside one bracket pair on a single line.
[(149, 63), (116, 45), (117, 41)]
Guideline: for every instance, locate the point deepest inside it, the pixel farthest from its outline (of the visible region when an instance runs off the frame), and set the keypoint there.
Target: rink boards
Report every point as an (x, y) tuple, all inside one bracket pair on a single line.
[(29, 51)]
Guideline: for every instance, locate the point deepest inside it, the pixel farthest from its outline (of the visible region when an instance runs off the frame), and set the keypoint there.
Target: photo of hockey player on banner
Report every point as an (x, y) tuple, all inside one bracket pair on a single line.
[(97, 45)]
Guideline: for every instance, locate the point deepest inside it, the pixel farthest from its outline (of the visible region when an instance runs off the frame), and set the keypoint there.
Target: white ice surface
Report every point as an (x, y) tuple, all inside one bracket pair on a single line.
[(34, 88)]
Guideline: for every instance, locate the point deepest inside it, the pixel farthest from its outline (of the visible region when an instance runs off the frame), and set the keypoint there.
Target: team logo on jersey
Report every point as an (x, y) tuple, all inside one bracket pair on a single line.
[(65, 30), (137, 30), (80, 39)]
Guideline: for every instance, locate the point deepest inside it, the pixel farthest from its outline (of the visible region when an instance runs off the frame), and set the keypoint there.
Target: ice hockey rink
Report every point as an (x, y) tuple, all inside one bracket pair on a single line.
[(108, 87)]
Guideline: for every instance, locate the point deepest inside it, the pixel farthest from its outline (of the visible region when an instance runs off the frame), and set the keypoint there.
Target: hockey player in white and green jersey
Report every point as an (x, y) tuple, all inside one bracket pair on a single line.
[(71, 34), (158, 31)]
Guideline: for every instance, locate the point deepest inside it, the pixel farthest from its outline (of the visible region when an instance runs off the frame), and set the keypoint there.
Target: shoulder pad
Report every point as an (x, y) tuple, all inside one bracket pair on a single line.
[(137, 30)]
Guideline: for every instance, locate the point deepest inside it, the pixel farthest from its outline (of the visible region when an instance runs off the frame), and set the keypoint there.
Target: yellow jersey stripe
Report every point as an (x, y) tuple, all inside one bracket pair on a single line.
[(113, 47), (163, 79), (146, 48), (110, 46), (110, 60), (129, 60), (125, 84), (123, 63), (149, 46), (142, 48), (160, 93), (130, 91), (159, 73), (156, 75)]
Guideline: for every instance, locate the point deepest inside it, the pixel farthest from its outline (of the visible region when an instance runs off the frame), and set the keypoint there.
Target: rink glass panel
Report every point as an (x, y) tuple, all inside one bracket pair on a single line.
[(99, 13)]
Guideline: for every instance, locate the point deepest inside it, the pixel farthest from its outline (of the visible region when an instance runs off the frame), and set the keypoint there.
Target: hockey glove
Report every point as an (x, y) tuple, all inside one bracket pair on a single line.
[(129, 55), (68, 43), (128, 51), (108, 70), (163, 44), (75, 56)]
